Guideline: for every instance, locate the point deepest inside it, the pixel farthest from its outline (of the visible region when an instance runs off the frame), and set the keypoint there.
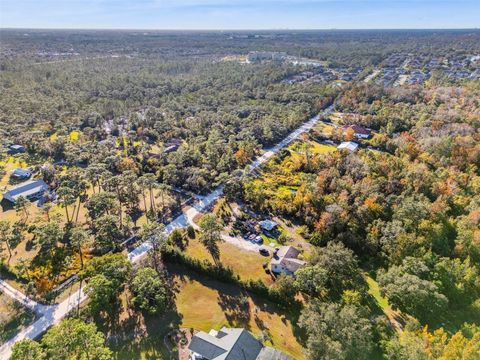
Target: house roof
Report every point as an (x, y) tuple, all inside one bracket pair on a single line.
[(288, 257), (21, 172), (16, 147), (348, 145), (357, 129), (267, 224), (25, 189), (226, 344), (269, 353)]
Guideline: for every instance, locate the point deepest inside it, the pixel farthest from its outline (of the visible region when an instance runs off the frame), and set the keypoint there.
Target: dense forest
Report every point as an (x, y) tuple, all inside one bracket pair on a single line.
[(126, 128)]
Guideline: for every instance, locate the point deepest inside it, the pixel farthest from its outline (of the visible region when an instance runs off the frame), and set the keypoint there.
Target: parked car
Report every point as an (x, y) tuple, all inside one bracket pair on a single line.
[(264, 252), (259, 240), (252, 237)]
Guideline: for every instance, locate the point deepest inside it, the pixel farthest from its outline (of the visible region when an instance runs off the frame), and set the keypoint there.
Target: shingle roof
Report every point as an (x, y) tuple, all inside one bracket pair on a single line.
[(228, 344), (357, 129), (288, 257), (21, 173), (269, 353)]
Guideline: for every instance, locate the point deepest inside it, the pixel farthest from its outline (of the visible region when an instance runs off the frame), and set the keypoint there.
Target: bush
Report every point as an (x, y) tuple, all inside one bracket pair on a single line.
[(191, 232)]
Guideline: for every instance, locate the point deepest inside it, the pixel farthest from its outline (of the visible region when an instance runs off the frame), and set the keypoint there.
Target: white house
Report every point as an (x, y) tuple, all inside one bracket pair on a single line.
[(348, 145), (285, 260)]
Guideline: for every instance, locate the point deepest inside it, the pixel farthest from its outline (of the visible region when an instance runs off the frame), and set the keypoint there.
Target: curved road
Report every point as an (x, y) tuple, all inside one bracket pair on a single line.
[(51, 314)]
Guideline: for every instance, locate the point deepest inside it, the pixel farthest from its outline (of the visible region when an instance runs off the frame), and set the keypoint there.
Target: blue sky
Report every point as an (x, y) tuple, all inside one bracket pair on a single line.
[(240, 14)]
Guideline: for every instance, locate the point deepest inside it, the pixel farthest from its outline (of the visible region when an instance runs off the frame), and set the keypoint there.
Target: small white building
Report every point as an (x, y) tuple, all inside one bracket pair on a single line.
[(285, 260), (348, 145)]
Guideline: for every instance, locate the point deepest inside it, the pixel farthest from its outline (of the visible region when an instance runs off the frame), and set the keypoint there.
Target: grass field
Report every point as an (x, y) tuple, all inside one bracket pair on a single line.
[(247, 264), (204, 304)]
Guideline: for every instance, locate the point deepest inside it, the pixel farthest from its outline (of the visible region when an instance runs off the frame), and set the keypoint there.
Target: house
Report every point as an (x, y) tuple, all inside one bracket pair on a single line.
[(172, 145), (231, 344), (16, 149), (267, 225), (348, 145), (21, 174), (358, 131), (285, 260), (31, 190)]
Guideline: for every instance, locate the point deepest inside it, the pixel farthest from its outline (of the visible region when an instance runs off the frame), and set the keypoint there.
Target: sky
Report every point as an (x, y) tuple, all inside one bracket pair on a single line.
[(240, 14)]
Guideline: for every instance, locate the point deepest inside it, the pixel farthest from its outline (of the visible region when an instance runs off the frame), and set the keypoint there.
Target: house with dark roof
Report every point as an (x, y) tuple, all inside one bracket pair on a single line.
[(231, 344), (21, 174), (285, 260), (16, 149), (358, 131), (31, 190)]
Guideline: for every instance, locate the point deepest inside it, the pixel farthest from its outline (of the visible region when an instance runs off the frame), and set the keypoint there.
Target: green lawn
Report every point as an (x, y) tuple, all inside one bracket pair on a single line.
[(374, 290), (247, 264)]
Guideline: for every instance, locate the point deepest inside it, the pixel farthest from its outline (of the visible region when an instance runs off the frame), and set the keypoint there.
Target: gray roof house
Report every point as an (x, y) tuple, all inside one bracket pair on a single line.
[(285, 260), (20, 173), (231, 344), (32, 190), (16, 149)]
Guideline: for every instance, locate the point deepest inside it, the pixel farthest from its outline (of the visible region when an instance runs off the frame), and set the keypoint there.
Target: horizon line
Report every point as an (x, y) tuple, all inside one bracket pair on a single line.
[(235, 29)]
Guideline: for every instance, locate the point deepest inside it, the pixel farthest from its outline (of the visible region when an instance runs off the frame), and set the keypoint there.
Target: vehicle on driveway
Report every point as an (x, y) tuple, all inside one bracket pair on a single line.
[(264, 252), (258, 240)]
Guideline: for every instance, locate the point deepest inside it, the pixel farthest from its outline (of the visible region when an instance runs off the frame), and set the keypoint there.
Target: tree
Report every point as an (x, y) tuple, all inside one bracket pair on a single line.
[(21, 206), (285, 288), (149, 181), (47, 237), (106, 276), (155, 234), (438, 345), (74, 339), (67, 197), (210, 235), (27, 350), (149, 291), (336, 332), (107, 233), (311, 279), (408, 289), (341, 269), (102, 294), (5, 237), (100, 204), (79, 237)]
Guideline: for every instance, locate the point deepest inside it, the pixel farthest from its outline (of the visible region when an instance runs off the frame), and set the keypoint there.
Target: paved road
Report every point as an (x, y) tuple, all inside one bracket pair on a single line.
[(51, 314)]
